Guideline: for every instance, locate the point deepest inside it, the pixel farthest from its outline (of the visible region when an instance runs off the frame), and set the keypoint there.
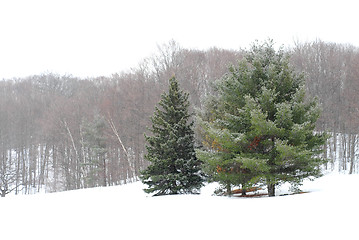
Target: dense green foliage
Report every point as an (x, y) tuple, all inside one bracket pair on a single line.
[(174, 168), (259, 127)]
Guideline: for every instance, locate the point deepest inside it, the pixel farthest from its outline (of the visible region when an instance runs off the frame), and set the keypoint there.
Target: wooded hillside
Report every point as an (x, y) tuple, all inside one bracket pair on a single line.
[(61, 132)]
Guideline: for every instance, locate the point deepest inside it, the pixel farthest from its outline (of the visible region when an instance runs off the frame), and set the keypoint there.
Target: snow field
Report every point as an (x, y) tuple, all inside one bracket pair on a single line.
[(126, 212)]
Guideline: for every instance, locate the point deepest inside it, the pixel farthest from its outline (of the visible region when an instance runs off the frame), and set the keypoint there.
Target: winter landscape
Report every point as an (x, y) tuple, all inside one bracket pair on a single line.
[(233, 135), (279, 148)]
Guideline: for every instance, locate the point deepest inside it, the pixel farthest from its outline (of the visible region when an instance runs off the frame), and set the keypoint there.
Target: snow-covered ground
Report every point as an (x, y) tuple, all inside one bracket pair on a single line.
[(328, 211)]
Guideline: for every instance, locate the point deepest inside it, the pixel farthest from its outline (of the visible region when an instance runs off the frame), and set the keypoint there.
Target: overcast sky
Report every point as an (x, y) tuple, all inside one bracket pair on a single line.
[(101, 37)]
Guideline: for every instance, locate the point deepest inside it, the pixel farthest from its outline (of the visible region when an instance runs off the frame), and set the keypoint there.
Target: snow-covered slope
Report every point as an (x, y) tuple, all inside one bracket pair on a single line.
[(329, 211)]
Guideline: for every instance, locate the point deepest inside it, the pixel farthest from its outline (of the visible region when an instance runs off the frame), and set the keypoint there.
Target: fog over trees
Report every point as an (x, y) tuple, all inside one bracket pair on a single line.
[(61, 133)]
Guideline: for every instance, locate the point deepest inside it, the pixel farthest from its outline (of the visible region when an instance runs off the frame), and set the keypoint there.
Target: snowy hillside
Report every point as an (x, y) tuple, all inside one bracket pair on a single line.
[(329, 211)]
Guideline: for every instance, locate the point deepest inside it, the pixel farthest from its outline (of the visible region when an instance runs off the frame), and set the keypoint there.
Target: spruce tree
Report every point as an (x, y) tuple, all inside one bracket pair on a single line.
[(259, 127), (174, 167)]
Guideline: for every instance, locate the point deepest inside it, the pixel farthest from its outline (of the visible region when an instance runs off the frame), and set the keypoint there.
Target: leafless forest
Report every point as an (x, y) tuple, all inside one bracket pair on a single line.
[(61, 133)]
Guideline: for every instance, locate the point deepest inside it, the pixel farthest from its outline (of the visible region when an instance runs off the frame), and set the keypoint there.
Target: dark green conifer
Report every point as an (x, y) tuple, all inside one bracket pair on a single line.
[(174, 167)]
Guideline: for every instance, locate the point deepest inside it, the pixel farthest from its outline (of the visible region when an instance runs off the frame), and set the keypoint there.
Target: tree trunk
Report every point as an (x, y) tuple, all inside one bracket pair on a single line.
[(271, 189), (229, 189), (3, 193), (104, 173), (244, 191), (352, 154)]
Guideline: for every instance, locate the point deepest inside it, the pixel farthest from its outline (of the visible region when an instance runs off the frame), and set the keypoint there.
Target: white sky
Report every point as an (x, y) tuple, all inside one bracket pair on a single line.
[(101, 37)]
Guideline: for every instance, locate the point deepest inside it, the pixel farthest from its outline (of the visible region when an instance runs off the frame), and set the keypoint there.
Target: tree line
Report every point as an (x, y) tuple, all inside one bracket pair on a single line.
[(61, 132), (332, 74)]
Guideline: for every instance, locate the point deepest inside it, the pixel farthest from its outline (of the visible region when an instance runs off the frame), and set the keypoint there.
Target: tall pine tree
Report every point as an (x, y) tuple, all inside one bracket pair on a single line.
[(174, 167), (259, 127)]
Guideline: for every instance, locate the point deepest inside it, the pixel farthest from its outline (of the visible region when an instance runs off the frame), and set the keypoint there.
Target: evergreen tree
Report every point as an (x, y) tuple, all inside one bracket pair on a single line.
[(260, 125), (173, 168), (95, 150)]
